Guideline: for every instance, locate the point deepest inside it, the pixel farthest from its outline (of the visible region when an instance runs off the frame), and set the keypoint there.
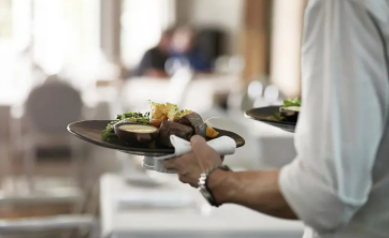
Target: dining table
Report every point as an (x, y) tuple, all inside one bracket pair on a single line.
[(171, 209)]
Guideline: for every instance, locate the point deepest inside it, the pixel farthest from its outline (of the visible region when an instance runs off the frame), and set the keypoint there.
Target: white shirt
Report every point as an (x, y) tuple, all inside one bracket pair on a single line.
[(339, 182)]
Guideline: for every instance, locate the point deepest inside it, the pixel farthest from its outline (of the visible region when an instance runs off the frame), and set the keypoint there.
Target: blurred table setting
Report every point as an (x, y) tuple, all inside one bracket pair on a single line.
[(171, 209)]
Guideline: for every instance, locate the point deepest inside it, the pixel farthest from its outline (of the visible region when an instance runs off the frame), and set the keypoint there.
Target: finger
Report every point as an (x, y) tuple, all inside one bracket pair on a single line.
[(196, 139), (200, 148), (182, 179), (186, 158), (169, 164), (193, 185), (198, 144)]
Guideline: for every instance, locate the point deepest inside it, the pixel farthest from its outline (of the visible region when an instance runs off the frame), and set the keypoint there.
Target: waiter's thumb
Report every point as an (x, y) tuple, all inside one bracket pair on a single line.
[(200, 147)]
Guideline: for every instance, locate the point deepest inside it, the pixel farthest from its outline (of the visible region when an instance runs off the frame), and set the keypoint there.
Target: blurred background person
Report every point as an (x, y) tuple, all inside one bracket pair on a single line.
[(183, 49), (154, 60)]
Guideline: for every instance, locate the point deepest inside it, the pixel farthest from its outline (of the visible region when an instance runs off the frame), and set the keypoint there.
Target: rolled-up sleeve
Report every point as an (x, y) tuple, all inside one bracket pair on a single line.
[(344, 112)]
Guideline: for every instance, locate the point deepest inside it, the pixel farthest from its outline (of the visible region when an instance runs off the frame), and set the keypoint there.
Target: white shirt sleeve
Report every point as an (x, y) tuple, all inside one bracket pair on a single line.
[(343, 116)]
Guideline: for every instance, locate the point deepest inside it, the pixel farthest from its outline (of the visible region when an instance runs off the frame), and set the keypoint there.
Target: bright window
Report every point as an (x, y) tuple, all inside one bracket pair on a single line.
[(66, 33), (53, 34), (142, 23)]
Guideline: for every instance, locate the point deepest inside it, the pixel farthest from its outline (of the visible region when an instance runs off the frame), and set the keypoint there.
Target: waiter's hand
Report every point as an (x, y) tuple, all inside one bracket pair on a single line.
[(190, 166)]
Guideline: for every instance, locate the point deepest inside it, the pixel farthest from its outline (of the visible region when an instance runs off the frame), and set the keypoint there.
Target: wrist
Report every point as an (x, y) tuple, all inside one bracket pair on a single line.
[(217, 183)]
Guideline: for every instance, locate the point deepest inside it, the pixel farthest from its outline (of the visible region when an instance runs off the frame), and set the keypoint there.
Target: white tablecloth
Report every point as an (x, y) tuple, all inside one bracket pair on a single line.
[(226, 221)]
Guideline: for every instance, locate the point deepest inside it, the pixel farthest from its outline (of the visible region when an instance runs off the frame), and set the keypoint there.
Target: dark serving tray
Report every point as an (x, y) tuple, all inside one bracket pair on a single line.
[(267, 115), (91, 131)]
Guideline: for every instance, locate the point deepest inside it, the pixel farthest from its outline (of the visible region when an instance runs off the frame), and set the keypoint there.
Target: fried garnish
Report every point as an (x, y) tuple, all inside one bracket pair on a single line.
[(210, 132), (172, 111), (158, 111)]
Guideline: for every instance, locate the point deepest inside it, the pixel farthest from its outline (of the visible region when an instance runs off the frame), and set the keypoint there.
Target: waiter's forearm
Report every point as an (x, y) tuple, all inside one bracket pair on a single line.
[(256, 190)]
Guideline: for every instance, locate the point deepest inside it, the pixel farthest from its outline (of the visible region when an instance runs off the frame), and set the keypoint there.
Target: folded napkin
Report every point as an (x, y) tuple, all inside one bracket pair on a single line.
[(223, 145)]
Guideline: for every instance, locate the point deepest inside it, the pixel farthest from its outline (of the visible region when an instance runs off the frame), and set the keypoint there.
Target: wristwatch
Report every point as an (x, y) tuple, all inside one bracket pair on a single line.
[(203, 187)]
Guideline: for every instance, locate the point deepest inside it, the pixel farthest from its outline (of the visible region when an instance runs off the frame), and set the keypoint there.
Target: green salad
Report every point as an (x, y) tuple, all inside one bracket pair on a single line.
[(289, 110), (292, 102), (109, 133)]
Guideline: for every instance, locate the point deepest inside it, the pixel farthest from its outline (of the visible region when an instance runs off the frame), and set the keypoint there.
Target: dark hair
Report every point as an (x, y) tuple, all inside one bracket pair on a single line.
[(169, 31), (172, 29)]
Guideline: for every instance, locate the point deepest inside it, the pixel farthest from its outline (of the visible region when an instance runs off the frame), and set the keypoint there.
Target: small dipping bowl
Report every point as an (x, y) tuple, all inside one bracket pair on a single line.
[(290, 113), (131, 132)]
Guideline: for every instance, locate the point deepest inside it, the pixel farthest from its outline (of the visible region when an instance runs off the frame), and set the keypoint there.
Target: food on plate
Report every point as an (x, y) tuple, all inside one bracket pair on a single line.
[(164, 117), (129, 115), (210, 132), (135, 117), (172, 111), (158, 113), (290, 109), (182, 113), (292, 102), (169, 128), (133, 132), (138, 128), (196, 122)]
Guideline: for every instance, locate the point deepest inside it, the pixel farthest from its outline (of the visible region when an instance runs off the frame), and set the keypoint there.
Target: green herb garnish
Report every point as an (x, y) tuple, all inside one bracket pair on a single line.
[(183, 113), (109, 133), (293, 102), (278, 116), (141, 120), (137, 117), (128, 115)]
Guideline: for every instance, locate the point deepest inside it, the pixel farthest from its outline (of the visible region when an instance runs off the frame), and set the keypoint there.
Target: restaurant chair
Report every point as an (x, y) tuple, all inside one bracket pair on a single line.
[(49, 108), (47, 111)]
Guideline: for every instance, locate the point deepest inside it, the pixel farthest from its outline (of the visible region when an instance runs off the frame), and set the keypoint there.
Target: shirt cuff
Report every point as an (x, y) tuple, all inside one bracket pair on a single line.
[(313, 199)]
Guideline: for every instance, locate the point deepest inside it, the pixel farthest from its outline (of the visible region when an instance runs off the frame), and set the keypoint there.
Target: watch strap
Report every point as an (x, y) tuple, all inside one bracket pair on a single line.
[(204, 178)]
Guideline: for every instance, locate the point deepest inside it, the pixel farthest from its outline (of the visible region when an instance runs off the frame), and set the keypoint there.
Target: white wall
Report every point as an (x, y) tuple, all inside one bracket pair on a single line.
[(142, 23), (227, 14), (286, 41)]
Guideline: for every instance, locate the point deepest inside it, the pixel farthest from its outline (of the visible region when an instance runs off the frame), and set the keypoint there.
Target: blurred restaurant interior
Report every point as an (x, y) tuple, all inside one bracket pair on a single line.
[(69, 60)]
